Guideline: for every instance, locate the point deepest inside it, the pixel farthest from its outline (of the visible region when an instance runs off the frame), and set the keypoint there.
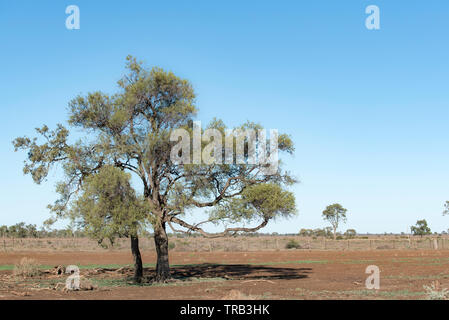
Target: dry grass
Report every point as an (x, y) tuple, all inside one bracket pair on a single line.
[(232, 244), (435, 292), (237, 295), (27, 267)]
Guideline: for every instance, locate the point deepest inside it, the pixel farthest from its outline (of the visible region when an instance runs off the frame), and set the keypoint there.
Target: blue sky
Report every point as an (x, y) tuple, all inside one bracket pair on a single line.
[(367, 109)]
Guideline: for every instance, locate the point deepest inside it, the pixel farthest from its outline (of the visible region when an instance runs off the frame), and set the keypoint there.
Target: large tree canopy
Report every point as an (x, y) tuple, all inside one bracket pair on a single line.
[(131, 130)]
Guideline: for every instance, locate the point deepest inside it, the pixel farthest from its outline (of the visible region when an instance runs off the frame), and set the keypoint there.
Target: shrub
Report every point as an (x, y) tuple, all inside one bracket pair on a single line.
[(292, 244), (171, 245), (27, 267)]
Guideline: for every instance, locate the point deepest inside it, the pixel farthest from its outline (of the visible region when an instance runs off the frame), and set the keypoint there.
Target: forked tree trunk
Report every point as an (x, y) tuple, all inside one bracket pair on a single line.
[(138, 268), (161, 243)]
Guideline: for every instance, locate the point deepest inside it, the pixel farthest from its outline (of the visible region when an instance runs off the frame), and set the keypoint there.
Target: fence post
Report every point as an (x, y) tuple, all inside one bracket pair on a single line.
[(435, 244)]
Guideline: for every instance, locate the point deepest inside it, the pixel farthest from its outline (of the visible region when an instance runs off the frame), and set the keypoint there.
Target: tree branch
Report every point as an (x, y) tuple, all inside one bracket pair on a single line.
[(228, 231)]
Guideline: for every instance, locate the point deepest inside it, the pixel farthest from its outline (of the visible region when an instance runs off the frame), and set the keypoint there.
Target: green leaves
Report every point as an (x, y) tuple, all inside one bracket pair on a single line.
[(108, 206), (335, 213), (259, 201), (128, 132), (270, 200), (42, 157), (421, 228)]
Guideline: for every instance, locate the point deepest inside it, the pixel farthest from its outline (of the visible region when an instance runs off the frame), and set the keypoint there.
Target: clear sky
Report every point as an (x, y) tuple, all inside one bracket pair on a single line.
[(367, 109)]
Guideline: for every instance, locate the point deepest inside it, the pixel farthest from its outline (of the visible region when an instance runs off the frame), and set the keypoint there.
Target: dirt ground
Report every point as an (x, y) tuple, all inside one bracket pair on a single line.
[(284, 274)]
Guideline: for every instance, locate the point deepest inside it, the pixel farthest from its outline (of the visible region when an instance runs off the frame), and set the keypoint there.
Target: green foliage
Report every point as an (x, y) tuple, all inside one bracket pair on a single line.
[(421, 228), (20, 230), (325, 232), (260, 201), (306, 232), (130, 131), (335, 213), (292, 244), (350, 233), (108, 206)]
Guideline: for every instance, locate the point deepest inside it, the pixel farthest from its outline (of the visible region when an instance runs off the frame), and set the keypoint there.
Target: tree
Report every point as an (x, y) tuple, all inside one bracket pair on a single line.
[(18, 230), (306, 232), (3, 231), (131, 130), (421, 228), (108, 208), (335, 214), (350, 233), (31, 231)]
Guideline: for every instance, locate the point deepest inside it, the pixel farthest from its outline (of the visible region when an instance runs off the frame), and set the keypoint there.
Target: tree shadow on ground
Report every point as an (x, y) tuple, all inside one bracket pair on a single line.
[(237, 272)]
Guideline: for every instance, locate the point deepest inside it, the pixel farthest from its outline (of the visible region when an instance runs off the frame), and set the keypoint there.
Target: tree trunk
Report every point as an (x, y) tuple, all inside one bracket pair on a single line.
[(161, 243), (335, 233), (138, 269)]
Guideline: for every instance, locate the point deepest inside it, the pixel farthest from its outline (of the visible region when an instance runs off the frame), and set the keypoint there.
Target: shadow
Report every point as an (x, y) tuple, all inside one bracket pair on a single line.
[(236, 272)]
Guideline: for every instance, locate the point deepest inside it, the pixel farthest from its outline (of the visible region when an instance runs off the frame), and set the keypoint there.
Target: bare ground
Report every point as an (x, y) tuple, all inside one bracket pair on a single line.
[(286, 274)]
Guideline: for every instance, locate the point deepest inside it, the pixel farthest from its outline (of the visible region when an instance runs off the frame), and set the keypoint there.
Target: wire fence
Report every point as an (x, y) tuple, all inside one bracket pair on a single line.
[(234, 244), (299, 243)]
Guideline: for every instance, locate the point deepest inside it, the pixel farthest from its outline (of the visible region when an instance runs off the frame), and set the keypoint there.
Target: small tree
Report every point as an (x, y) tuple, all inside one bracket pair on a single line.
[(306, 232), (335, 214), (421, 228), (350, 233), (108, 208), (3, 231)]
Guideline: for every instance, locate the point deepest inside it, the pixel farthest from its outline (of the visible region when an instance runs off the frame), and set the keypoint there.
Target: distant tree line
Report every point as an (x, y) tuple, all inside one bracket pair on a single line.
[(327, 233), (23, 230)]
